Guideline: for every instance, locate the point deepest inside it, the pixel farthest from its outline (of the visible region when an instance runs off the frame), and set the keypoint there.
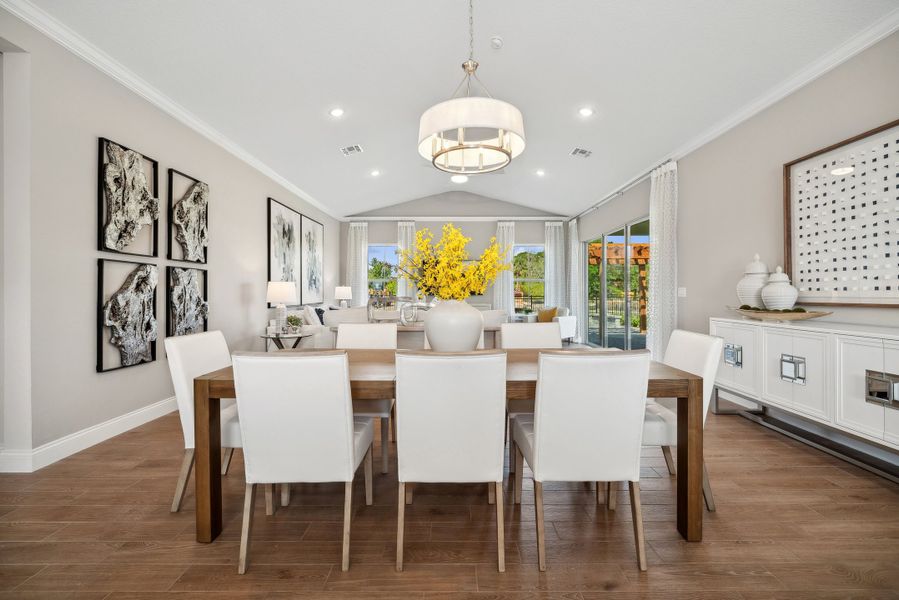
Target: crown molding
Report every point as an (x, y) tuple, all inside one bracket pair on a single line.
[(39, 19), (851, 47)]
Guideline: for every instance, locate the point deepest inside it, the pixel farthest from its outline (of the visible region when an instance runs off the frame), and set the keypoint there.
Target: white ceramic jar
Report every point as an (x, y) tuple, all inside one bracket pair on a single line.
[(778, 294), (453, 326), (749, 289)]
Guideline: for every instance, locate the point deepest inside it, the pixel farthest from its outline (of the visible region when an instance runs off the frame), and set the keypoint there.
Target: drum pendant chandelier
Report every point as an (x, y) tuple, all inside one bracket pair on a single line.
[(469, 135)]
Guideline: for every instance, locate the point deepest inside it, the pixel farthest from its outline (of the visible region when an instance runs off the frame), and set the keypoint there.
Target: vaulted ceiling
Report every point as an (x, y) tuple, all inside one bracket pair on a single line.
[(660, 75)]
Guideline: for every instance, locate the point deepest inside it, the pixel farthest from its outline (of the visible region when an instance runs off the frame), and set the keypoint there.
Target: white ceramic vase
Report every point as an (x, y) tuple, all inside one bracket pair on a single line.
[(453, 326), (779, 294), (749, 289)]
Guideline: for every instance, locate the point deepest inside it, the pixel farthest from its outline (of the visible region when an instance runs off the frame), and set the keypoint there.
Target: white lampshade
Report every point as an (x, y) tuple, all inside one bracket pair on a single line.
[(343, 292), (281, 292), (492, 133)]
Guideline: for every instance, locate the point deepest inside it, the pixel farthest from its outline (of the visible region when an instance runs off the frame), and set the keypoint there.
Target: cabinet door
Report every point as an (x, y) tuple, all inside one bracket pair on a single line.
[(891, 416), (745, 378), (775, 390), (812, 397), (725, 376), (854, 356)]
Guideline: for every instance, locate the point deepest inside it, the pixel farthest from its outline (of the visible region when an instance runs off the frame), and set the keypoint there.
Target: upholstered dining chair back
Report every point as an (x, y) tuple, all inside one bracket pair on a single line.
[(531, 335), (190, 356), (450, 416), (376, 336), (698, 354), (588, 416), (296, 416)]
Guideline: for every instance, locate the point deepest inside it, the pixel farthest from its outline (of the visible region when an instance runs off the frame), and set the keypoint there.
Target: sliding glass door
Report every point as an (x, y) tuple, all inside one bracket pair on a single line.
[(617, 275)]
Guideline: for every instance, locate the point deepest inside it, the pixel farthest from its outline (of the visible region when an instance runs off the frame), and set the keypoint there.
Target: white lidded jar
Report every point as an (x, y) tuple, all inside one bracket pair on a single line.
[(778, 294), (749, 289)]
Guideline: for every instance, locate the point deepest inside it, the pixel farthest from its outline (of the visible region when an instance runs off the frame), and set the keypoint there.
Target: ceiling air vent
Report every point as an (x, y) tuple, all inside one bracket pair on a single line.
[(581, 152), (351, 150)]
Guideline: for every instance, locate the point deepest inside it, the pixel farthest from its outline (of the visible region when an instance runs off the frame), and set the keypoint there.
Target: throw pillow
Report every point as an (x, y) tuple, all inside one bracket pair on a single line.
[(546, 315), (310, 316)]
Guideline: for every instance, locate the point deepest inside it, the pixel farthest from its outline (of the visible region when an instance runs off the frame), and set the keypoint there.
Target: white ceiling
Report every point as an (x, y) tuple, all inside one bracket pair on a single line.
[(659, 73)]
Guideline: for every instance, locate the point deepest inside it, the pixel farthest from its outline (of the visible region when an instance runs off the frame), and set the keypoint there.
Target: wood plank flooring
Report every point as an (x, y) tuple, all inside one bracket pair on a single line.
[(792, 523)]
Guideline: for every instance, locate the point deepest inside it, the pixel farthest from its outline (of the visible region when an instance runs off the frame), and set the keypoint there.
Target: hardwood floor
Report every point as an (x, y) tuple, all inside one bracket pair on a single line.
[(791, 523)]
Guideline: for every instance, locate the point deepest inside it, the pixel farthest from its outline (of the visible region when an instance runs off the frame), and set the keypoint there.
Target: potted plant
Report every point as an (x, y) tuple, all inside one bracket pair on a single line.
[(443, 271), (294, 323)]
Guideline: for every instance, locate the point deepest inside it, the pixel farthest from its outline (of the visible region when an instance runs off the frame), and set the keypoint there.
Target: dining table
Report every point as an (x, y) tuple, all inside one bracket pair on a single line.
[(373, 376)]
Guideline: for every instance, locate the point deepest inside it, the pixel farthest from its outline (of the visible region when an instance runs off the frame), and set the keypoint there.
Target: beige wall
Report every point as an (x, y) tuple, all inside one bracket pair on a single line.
[(731, 189), (72, 105)]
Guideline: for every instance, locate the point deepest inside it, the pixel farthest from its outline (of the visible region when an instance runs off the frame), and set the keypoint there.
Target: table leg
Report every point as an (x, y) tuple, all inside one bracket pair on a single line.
[(296, 342), (207, 472), (278, 343), (689, 463)]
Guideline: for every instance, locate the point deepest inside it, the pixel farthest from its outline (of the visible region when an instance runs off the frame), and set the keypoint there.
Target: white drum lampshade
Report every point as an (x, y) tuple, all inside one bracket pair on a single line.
[(281, 293), (344, 293)]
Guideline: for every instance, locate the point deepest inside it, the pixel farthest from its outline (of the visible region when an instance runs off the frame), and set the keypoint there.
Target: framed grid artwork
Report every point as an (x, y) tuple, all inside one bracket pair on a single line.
[(186, 300), (127, 200), (188, 218), (126, 314), (841, 221)]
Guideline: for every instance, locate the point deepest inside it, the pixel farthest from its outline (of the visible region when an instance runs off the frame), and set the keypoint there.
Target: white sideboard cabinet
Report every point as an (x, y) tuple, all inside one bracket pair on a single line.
[(840, 375)]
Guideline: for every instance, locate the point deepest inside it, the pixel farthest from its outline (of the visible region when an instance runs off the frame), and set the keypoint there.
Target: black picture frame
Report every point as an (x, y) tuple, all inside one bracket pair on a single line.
[(303, 220), (170, 224), (101, 200), (268, 237), (169, 320), (101, 301)]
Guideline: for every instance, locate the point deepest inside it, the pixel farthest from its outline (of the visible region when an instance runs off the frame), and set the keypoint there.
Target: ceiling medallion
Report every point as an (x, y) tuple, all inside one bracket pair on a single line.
[(471, 134)]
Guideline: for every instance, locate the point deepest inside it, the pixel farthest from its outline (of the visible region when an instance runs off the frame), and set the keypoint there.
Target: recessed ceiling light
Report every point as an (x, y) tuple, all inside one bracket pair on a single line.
[(540, 173), (336, 112), (459, 178), (375, 173), (842, 171), (586, 112)]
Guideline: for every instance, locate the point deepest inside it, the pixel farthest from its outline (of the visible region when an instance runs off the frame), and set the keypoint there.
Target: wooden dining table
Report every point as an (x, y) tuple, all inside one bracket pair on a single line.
[(373, 376)]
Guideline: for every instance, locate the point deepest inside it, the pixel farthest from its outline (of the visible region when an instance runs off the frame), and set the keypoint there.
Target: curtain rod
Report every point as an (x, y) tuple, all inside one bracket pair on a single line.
[(621, 190)]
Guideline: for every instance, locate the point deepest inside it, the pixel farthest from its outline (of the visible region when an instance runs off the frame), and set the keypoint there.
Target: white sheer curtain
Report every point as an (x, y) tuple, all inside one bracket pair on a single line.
[(503, 287), (577, 281), (662, 309), (554, 265), (405, 239), (357, 262)]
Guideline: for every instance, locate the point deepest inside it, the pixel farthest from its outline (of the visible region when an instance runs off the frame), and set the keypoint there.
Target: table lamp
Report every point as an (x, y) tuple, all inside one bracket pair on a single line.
[(343, 293), (281, 293)]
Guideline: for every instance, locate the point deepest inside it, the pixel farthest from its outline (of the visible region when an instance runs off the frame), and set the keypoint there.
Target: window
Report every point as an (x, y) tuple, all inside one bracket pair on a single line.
[(528, 274), (382, 262), (617, 274)]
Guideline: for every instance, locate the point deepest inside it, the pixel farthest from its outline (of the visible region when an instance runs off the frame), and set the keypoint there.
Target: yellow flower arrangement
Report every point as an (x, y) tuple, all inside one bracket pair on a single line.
[(444, 271)]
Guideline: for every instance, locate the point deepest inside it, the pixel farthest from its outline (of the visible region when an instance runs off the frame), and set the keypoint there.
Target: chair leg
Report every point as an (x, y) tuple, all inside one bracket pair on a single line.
[(227, 453), (600, 492), (249, 503), (500, 528), (367, 467), (269, 498), (513, 458), (707, 490), (541, 531), (491, 493), (385, 445), (400, 523), (393, 422), (285, 494), (187, 464), (637, 513), (508, 437), (519, 475), (409, 487), (611, 491), (347, 518), (669, 459)]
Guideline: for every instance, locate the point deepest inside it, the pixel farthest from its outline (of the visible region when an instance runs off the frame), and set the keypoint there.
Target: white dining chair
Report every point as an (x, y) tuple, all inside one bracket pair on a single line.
[(694, 353), (372, 336), (450, 419), (297, 423), (527, 335), (587, 426), (190, 356)]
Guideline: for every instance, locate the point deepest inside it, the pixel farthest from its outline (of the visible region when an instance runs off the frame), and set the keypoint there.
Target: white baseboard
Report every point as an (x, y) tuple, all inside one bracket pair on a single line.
[(28, 461)]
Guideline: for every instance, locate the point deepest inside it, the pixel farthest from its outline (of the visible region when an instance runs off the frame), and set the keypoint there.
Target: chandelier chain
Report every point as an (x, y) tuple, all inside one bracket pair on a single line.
[(470, 29)]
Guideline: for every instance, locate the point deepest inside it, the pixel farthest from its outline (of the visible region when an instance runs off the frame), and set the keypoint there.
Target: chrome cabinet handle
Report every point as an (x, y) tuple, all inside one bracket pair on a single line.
[(882, 388), (733, 355), (792, 368)]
